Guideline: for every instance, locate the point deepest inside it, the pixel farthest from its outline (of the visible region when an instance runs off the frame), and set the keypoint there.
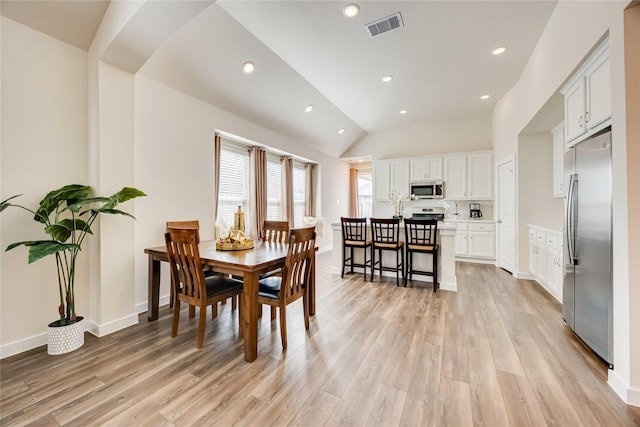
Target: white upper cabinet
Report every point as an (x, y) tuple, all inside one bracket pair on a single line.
[(390, 175), (381, 179), (558, 159), (469, 176), (400, 176), (455, 177), (429, 169), (587, 97), (480, 176), (598, 83)]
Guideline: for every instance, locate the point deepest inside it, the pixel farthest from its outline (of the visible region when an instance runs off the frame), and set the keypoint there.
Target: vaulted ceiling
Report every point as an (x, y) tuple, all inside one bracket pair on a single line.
[(309, 53)]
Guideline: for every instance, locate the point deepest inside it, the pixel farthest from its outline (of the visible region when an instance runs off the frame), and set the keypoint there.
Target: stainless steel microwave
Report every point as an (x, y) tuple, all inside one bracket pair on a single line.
[(427, 189)]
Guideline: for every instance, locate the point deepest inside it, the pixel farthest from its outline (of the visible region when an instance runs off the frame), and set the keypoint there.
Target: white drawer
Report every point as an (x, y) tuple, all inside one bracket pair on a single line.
[(541, 237), (553, 240), (482, 226), (532, 234), (462, 226)]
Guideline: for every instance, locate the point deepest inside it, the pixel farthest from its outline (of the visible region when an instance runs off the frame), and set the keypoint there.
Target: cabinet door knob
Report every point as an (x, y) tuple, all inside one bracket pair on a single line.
[(580, 121)]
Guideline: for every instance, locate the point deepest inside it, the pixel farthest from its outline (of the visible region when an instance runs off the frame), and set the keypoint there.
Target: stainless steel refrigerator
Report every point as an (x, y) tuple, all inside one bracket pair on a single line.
[(588, 280)]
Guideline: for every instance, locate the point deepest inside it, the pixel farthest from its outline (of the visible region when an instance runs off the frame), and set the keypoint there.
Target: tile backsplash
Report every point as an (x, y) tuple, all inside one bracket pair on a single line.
[(486, 206)]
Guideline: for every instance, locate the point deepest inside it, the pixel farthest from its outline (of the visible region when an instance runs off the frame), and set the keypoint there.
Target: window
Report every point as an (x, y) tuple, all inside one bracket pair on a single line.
[(234, 183), (274, 188), (298, 194), (365, 193)]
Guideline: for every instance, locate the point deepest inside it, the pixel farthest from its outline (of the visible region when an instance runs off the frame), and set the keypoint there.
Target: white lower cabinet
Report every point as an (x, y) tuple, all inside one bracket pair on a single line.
[(475, 240), (545, 259)]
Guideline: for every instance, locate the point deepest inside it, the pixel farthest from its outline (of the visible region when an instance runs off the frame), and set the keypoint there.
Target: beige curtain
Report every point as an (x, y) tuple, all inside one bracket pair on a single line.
[(287, 190), (310, 182), (257, 191), (353, 193), (216, 178)]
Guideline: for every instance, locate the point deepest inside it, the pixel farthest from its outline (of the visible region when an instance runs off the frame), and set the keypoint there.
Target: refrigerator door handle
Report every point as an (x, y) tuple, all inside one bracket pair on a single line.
[(570, 227)]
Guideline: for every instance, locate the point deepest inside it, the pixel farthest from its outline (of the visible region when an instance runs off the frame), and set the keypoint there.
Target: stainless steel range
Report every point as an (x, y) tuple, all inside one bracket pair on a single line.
[(429, 213)]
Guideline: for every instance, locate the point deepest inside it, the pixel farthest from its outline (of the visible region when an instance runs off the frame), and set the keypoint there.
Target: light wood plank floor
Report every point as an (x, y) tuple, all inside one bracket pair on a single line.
[(496, 353)]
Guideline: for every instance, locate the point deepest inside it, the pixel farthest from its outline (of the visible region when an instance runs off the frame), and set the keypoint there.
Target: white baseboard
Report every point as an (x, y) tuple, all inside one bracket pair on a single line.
[(628, 395), (23, 345), (449, 286), (108, 328), (476, 260), (524, 276)]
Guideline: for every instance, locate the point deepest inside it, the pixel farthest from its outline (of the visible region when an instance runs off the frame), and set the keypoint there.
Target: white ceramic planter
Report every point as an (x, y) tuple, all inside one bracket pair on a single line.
[(65, 339)]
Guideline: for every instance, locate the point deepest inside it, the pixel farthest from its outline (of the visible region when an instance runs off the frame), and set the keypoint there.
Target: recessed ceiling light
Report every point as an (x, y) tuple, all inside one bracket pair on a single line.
[(308, 108), (387, 79), (404, 111), (499, 50), (248, 67), (485, 97), (359, 160), (351, 10), (341, 131)]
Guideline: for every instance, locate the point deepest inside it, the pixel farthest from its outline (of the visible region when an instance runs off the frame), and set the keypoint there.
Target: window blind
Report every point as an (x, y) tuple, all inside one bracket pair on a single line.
[(234, 183), (274, 188), (298, 194)]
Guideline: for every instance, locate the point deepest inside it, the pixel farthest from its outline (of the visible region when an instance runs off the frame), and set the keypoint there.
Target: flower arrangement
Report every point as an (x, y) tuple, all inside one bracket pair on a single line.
[(398, 201)]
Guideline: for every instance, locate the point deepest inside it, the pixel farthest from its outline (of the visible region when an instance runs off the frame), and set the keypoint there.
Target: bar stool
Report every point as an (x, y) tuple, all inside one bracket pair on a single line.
[(386, 237), (421, 236), (354, 235)]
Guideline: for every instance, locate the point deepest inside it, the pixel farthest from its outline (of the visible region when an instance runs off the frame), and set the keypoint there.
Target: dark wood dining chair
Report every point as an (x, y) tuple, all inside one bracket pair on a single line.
[(278, 232), (386, 237), (189, 283), (354, 236), (421, 237), (296, 278), (275, 231), (191, 224)]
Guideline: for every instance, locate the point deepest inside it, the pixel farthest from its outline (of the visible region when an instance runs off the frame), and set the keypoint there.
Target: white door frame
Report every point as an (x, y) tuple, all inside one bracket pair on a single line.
[(510, 159)]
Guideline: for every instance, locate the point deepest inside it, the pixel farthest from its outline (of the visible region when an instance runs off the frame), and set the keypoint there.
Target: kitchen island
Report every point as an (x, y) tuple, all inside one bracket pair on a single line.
[(446, 261)]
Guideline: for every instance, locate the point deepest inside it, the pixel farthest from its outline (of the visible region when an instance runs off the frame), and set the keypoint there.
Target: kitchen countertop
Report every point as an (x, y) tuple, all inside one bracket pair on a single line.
[(470, 220)]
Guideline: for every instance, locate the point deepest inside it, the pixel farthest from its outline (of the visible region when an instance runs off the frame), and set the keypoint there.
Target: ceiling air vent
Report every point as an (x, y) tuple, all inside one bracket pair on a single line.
[(383, 25)]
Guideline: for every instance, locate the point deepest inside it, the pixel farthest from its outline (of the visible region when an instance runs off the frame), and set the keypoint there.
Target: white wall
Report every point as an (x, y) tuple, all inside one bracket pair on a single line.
[(573, 30), (439, 137), (44, 146), (174, 136), (536, 204)]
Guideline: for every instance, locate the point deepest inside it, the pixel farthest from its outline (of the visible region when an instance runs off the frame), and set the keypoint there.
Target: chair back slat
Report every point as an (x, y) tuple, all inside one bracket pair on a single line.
[(354, 229), (385, 230), (275, 231), (185, 263), (421, 232), (296, 273)]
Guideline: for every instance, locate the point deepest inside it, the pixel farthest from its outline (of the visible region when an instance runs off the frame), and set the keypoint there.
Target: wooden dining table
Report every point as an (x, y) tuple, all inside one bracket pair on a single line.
[(249, 264)]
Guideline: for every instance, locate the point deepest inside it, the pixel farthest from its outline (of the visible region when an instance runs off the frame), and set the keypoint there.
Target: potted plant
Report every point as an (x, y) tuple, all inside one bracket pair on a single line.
[(67, 215)]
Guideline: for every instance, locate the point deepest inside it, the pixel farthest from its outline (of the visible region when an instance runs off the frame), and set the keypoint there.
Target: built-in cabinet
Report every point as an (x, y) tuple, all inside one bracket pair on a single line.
[(587, 97), (390, 175), (475, 239), (545, 259), (558, 159), (426, 169), (469, 176)]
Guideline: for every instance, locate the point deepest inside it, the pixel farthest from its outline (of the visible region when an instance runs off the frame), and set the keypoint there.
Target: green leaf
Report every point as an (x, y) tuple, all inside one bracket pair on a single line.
[(62, 230), (69, 193), (48, 247), (5, 203), (75, 207), (41, 248), (113, 211), (127, 193)]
